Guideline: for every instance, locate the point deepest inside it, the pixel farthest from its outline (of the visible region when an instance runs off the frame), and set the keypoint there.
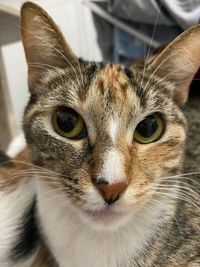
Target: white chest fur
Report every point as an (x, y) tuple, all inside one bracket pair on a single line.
[(12, 207), (75, 244)]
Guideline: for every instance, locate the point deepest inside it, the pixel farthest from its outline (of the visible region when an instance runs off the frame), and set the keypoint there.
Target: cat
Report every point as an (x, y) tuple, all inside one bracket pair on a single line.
[(101, 182)]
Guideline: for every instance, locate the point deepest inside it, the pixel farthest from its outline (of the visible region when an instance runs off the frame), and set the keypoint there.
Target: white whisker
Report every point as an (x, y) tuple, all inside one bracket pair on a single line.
[(147, 57)]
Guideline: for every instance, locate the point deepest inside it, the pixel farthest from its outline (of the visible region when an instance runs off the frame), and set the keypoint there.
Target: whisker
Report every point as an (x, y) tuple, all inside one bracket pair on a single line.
[(180, 197), (182, 178), (36, 167), (178, 184), (25, 172), (50, 191), (183, 191), (186, 173), (147, 57), (153, 201)]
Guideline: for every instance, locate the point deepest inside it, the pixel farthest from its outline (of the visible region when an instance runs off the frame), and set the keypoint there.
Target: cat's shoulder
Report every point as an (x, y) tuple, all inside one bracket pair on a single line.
[(17, 202)]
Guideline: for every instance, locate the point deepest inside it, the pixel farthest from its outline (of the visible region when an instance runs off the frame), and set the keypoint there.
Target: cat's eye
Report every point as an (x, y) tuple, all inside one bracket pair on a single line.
[(69, 123), (149, 130)]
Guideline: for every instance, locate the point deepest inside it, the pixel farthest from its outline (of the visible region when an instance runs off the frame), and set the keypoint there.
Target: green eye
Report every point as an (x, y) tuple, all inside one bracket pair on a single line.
[(149, 130), (69, 124)]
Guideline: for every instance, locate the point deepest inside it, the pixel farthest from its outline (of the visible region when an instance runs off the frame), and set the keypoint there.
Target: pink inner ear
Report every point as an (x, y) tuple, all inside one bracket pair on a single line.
[(179, 62)]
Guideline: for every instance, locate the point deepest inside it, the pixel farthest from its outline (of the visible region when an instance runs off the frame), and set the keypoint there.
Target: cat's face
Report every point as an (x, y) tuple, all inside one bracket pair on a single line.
[(112, 133)]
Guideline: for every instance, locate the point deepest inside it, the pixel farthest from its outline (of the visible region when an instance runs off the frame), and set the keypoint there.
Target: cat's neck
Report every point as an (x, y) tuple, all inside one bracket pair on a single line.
[(74, 242)]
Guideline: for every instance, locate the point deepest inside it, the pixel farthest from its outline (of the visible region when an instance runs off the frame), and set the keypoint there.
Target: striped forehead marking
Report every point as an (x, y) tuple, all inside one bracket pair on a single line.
[(114, 78)]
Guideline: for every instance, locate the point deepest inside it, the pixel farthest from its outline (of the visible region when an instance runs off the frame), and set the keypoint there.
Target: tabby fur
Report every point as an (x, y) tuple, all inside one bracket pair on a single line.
[(52, 213)]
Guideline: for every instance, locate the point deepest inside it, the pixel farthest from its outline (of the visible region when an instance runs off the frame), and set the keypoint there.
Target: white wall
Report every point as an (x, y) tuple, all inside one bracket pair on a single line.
[(16, 74), (75, 21)]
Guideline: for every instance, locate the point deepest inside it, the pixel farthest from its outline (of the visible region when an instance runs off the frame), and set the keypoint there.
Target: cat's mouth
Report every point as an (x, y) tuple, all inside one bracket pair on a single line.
[(105, 216)]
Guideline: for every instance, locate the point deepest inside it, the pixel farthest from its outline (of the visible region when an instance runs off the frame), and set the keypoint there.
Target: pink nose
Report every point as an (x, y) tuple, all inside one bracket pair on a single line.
[(111, 192)]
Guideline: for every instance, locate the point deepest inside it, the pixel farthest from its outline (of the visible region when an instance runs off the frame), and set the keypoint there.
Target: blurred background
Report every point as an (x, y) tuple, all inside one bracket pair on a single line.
[(113, 31)]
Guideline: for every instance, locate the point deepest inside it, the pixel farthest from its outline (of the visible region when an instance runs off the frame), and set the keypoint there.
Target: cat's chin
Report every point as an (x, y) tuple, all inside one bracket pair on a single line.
[(106, 219)]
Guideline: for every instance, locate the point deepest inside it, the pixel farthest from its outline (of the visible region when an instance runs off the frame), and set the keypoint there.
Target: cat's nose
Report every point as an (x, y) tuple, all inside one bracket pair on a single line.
[(110, 192)]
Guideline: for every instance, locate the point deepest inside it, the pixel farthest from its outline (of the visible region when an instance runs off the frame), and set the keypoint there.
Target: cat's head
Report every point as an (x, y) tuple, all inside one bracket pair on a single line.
[(112, 133)]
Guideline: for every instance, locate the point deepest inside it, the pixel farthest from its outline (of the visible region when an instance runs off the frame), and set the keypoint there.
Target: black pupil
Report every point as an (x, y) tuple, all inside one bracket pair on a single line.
[(67, 119), (148, 126)]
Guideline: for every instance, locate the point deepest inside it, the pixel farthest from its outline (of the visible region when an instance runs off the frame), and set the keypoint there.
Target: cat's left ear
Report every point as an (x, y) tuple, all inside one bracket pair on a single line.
[(44, 44), (179, 62)]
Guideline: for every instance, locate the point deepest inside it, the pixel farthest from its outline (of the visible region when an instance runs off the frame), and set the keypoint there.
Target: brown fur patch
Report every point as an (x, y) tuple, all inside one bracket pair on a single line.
[(9, 176), (114, 80), (5, 161), (44, 258)]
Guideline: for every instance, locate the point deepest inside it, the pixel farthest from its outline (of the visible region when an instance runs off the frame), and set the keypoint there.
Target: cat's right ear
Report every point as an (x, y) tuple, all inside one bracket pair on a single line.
[(179, 62), (44, 45)]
